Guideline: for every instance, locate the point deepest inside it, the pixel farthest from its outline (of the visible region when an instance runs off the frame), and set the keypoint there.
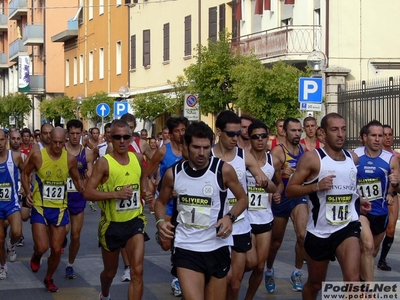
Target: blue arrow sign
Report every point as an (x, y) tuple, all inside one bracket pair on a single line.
[(103, 110)]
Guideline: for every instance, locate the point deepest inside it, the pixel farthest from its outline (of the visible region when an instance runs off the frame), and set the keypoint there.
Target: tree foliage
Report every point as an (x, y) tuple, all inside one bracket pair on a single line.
[(149, 106), (88, 107), (268, 94), (17, 105), (210, 77), (57, 107)]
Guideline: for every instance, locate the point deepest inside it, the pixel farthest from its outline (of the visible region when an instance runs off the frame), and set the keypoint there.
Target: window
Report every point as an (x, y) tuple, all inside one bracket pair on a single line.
[(146, 48), (212, 24), (188, 35), (101, 63), (119, 2), (133, 52), (67, 72), (101, 7), (91, 66), (222, 19), (317, 17), (90, 9), (75, 70), (166, 42), (118, 58), (81, 68), (287, 22)]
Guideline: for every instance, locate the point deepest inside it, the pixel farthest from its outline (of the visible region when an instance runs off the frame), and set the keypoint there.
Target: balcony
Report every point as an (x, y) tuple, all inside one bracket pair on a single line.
[(17, 48), (36, 83), (288, 43), (33, 35), (3, 61), (17, 8), (69, 34), (3, 22)]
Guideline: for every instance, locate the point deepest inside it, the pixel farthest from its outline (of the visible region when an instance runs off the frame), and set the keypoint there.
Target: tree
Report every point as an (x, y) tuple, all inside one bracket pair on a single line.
[(210, 77), (88, 107), (17, 105), (268, 94), (149, 106), (57, 108)]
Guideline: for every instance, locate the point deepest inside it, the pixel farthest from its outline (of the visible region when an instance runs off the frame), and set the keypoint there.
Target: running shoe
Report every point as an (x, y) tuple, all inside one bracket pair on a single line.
[(70, 273), (382, 265), (127, 275), (295, 279), (270, 282), (176, 288), (35, 264), (21, 241), (50, 286), (12, 254), (3, 273), (92, 207), (101, 297)]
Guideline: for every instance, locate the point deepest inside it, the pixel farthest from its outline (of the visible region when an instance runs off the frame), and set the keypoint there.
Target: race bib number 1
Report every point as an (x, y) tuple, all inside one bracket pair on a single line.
[(70, 185), (338, 209), (194, 211)]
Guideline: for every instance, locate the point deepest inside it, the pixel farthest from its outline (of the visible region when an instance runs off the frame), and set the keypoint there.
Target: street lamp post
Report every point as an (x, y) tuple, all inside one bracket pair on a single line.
[(317, 62), (79, 100)]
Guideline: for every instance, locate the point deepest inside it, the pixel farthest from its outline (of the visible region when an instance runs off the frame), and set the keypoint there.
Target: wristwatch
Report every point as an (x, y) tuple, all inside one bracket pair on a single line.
[(232, 217), (394, 193)]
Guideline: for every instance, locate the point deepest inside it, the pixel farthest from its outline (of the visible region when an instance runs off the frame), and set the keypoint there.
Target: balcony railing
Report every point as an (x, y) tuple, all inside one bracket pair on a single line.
[(33, 35), (3, 60), (3, 22), (17, 8), (36, 83), (17, 48), (281, 41)]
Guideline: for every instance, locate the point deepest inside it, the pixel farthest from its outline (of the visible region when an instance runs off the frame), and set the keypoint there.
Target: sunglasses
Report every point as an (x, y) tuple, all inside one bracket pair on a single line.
[(231, 134), (118, 137), (257, 136)]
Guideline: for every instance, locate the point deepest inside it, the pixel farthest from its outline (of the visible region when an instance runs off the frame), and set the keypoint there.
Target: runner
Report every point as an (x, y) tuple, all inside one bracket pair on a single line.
[(310, 141), (203, 234), (116, 184), (49, 215), (328, 178)]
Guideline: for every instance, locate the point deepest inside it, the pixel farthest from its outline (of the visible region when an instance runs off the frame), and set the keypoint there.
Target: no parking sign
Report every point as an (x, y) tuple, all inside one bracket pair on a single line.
[(191, 108)]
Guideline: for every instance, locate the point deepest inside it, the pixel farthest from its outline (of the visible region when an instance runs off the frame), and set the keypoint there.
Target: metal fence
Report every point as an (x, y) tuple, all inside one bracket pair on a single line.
[(361, 102)]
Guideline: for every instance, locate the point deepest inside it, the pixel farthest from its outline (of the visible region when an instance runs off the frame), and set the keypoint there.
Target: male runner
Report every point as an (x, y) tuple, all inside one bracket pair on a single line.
[(10, 166), (393, 209), (260, 213), (49, 215), (310, 141), (76, 201), (288, 155), (26, 145), (243, 139), (374, 168), (228, 126), (280, 135), (117, 183), (328, 177), (203, 234)]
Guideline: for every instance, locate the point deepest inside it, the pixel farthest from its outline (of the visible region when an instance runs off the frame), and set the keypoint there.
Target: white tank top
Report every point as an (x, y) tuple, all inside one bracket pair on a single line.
[(333, 209), (201, 203), (259, 200)]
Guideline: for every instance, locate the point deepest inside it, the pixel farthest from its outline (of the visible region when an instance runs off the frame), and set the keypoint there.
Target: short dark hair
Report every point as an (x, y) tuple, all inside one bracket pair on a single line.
[(74, 123), (225, 117), (309, 119), (174, 122), (143, 130), (108, 125), (129, 118), (288, 120), (388, 126), (247, 117), (326, 118), (372, 123), (199, 130), (256, 125), (25, 130), (362, 131)]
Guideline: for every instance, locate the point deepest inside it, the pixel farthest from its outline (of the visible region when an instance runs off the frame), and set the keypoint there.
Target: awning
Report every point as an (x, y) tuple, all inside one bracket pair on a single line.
[(289, 1), (238, 10)]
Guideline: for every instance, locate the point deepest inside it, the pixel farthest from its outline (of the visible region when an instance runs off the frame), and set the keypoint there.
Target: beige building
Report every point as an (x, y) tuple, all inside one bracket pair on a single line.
[(163, 38), (95, 45)]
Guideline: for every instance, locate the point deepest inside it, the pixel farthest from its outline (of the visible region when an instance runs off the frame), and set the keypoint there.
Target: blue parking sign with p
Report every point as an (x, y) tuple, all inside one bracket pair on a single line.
[(310, 90)]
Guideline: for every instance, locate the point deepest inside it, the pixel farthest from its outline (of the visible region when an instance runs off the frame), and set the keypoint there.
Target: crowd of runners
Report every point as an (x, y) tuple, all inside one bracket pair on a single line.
[(222, 200)]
